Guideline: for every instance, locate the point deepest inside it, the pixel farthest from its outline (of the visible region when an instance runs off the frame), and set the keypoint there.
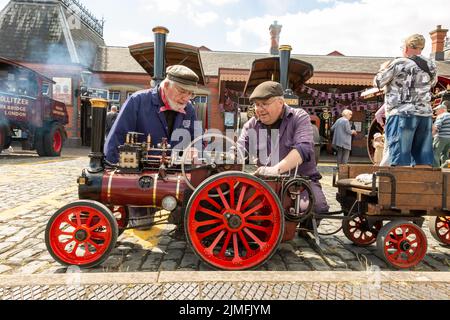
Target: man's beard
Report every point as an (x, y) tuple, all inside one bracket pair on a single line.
[(176, 106)]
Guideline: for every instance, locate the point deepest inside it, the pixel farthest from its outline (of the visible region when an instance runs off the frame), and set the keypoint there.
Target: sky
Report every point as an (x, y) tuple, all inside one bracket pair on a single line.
[(352, 27)]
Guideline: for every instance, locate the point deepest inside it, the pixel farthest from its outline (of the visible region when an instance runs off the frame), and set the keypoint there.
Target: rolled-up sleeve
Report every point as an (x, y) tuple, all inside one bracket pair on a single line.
[(303, 140)]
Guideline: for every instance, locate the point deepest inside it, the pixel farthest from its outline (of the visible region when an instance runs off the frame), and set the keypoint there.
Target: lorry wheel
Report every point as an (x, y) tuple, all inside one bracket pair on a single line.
[(402, 244), (241, 229), (5, 141), (39, 143), (82, 233), (53, 141)]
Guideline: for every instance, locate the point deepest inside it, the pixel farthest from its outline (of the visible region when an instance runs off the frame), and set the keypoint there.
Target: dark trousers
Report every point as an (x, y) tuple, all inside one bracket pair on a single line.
[(342, 155)]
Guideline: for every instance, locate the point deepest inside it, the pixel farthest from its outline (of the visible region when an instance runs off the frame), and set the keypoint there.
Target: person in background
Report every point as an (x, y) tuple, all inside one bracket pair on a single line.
[(378, 145), (408, 81), (441, 134), (317, 141), (111, 116), (342, 137)]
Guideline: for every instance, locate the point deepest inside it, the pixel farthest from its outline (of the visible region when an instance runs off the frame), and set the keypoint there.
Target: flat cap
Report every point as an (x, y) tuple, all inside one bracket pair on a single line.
[(267, 90), (183, 76)]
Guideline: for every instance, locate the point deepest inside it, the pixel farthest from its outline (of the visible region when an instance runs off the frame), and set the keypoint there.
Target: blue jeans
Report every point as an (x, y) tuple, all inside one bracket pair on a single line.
[(410, 140)]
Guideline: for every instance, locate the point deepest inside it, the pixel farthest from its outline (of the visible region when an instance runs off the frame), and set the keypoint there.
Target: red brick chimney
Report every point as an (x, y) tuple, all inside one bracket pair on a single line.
[(275, 30), (438, 42)]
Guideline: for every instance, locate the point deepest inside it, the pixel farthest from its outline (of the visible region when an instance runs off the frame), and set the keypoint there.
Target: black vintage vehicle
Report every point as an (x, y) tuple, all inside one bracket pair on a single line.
[(27, 111)]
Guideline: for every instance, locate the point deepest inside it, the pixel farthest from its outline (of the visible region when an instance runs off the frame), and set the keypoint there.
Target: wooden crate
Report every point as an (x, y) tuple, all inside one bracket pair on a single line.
[(415, 189)]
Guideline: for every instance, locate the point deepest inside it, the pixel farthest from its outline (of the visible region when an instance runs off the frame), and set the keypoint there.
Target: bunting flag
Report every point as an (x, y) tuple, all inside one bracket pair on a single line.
[(351, 96)]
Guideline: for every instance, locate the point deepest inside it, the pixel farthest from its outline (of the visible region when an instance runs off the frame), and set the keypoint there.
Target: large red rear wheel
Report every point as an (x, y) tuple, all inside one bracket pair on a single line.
[(360, 232), (440, 229), (402, 244), (82, 233), (234, 221)]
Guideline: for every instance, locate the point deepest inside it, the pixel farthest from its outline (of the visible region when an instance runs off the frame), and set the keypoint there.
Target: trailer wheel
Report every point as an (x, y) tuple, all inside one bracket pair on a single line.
[(402, 244), (440, 229), (241, 228), (82, 233), (358, 231), (53, 141)]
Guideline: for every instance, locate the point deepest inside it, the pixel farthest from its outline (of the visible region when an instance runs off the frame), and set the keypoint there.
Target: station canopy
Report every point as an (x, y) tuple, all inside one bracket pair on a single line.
[(267, 69), (176, 53)]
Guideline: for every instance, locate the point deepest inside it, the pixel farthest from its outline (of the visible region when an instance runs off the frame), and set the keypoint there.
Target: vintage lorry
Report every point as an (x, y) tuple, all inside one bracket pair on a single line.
[(27, 111)]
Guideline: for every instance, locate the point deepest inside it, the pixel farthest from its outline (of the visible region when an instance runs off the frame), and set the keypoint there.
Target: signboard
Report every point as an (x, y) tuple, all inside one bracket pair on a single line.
[(229, 119), (62, 90), (358, 126), (14, 108), (98, 93)]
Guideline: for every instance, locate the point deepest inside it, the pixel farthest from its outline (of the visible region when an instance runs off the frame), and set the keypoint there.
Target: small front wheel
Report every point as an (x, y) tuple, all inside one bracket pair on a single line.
[(82, 233)]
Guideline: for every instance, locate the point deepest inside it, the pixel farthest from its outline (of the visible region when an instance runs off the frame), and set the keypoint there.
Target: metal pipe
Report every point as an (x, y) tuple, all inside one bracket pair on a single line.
[(285, 58), (98, 134), (159, 62)]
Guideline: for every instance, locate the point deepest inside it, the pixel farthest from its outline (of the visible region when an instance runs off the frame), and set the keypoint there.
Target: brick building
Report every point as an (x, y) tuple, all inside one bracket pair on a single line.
[(61, 39)]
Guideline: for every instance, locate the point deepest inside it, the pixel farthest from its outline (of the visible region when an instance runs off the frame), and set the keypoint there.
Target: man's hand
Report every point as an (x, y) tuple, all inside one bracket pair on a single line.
[(268, 171), (354, 133)]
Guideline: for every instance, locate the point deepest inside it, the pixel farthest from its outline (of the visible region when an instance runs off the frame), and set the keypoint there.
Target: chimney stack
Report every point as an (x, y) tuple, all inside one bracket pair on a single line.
[(275, 30), (438, 43), (159, 61)]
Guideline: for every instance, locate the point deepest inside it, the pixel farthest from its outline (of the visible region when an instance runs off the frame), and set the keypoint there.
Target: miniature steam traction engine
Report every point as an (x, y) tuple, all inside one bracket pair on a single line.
[(232, 219)]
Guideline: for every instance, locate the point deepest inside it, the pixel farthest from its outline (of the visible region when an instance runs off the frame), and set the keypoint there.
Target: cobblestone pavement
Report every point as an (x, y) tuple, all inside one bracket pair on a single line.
[(32, 189)]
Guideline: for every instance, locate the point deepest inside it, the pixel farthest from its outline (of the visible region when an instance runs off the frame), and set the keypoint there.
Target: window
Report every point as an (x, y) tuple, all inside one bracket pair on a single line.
[(201, 99), (114, 96)]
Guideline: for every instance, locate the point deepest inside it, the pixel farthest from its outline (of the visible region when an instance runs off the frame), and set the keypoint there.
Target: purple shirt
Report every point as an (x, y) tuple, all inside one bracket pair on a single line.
[(295, 132)]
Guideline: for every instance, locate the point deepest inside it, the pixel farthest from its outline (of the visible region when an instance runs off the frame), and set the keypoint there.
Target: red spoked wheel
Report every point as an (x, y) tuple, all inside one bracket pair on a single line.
[(121, 214), (82, 233), (440, 229), (57, 141), (360, 232), (240, 228), (402, 244)]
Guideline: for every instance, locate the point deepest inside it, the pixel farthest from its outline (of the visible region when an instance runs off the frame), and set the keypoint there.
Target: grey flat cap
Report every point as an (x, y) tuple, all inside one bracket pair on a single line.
[(267, 90), (183, 76)]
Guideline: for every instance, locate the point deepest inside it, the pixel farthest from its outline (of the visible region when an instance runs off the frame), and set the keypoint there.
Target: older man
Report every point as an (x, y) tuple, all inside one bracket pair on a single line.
[(441, 133), (342, 136), (158, 112), (408, 81), (290, 130)]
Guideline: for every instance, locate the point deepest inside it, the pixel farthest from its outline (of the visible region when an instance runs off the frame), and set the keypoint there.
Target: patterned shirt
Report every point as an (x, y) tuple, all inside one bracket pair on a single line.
[(408, 87), (442, 124)]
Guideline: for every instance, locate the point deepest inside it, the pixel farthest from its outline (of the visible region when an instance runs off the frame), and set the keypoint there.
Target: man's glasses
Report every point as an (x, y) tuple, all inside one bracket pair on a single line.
[(184, 93), (264, 105)]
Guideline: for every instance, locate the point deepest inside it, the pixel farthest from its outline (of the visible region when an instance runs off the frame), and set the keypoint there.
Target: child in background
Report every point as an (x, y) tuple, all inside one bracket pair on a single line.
[(378, 145)]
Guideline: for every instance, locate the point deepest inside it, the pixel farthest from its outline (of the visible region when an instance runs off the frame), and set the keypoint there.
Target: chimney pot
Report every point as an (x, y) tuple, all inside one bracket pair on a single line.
[(438, 42), (275, 30)]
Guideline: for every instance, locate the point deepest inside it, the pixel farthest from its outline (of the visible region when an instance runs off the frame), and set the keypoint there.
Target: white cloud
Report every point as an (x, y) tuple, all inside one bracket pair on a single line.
[(192, 10), (368, 27)]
